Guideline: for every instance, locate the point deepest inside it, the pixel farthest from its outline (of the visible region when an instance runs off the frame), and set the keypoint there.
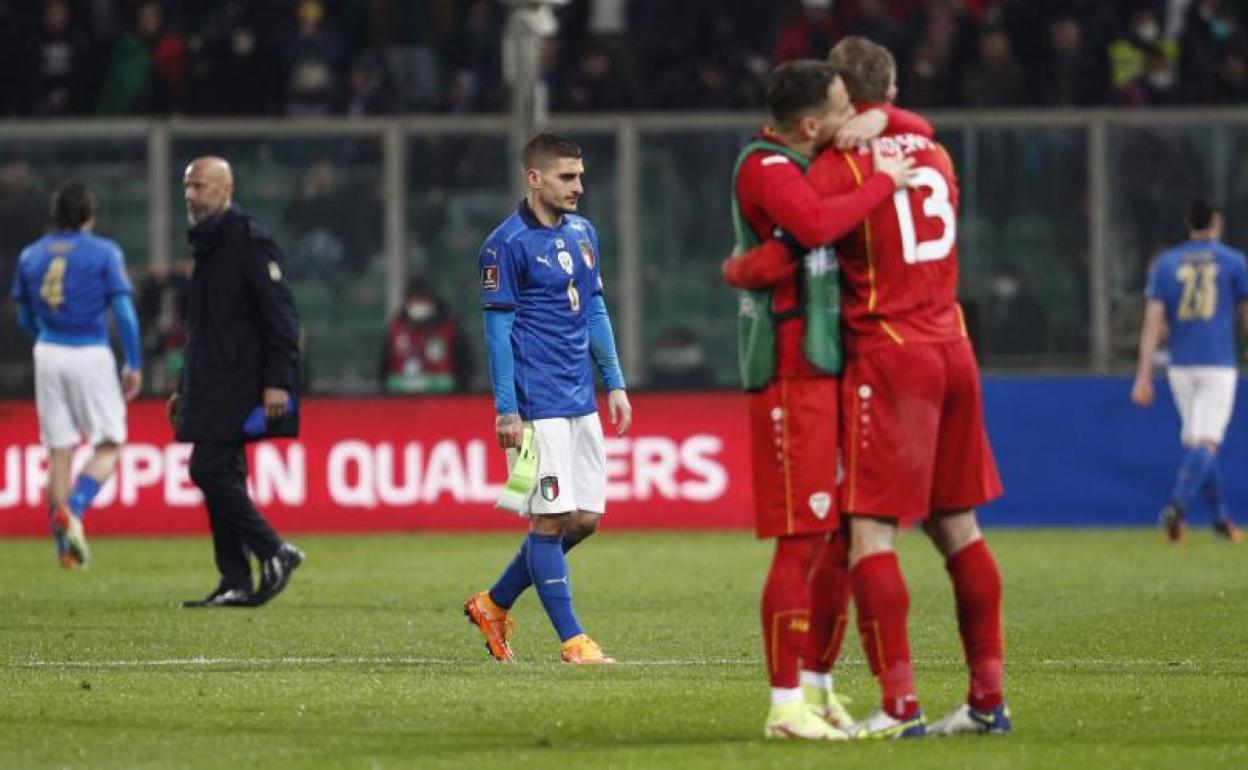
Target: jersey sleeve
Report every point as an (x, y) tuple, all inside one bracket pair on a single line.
[(593, 240), (799, 208), (765, 266), (18, 291), (1154, 289), (500, 275), (115, 279), (1239, 278)]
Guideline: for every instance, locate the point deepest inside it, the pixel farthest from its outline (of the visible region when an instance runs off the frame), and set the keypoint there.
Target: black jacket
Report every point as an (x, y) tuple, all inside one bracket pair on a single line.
[(242, 330)]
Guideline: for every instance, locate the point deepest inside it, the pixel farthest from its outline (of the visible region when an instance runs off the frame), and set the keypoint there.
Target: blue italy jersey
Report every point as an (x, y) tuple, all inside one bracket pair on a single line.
[(1201, 284), (546, 275), (68, 279)]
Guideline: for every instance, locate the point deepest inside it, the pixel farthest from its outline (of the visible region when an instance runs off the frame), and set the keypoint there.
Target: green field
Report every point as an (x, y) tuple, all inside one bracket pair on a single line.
[(1123, 652)]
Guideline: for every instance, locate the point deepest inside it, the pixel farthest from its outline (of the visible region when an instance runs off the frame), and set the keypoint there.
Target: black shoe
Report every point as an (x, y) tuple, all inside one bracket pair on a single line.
[(1225, 528), (223, 597), (275, 572), (1172, 523)]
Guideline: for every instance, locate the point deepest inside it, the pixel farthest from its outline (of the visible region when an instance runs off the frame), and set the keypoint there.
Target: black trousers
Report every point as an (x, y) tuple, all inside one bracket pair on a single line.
[(220, 471)]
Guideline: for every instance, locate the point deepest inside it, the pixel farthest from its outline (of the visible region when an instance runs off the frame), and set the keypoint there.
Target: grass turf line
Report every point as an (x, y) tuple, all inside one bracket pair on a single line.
[(1123, 652)]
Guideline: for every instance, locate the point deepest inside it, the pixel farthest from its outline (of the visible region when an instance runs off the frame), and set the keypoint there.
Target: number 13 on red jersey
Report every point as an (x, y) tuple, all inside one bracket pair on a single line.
[(935, 206)]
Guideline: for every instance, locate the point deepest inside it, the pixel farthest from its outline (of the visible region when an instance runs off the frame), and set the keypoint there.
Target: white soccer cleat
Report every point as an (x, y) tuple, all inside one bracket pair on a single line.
[(882, 725), (799, 720), (828, 705), (968, 721)]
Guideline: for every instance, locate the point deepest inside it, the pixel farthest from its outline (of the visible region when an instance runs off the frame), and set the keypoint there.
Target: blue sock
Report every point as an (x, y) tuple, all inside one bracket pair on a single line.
[(515, 579), (549, 571), (1192, 473), (85, 490), (1211, 491), (61, 546)]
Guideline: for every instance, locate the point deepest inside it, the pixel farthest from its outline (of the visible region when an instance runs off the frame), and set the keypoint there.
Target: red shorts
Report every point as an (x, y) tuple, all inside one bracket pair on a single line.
[(913, 433), (793, 424)]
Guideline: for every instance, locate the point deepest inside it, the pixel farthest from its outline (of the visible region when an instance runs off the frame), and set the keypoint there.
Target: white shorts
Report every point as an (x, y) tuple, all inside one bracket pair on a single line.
[(77, 395), (571, 466), (1205, 396)]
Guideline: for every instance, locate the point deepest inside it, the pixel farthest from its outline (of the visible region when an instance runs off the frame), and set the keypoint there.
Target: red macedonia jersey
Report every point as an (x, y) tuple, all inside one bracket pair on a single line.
[(773, 191), (900, 268)]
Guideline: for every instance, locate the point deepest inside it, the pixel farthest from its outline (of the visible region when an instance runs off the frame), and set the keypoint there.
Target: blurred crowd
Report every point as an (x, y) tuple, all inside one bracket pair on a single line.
[(377, 57)]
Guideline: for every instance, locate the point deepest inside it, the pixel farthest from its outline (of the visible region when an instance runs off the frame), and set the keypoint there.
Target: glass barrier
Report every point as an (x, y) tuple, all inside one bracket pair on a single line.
[(30, 169), (1023, 243), (1153, 172), (459, 188), (322, 199), (1028, 183)]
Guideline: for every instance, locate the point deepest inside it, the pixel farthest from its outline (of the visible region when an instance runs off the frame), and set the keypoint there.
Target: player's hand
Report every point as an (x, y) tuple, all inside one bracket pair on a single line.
[(510, 429), (892, 164), (621, 411), (171, 408), (861, 129), (276, 402), (131, 382), (1142, 392)]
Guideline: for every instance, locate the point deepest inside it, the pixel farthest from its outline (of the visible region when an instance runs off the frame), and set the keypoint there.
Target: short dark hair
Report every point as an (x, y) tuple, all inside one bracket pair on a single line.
[(866, 67), (797, 87), (73, 205), (1198, 214), (545, 147)]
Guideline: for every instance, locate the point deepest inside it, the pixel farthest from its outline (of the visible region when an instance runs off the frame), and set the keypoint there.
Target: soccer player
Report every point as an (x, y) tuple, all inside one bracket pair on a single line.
[(545, 321), (1194, 290), (790, 356), (66, 283), (912, 438)]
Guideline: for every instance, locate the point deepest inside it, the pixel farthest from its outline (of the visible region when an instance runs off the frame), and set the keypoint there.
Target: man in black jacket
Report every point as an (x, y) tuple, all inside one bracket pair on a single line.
[(237, 380)]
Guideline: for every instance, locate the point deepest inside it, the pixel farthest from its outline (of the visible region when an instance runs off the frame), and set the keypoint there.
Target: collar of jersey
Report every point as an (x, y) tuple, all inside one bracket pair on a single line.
[(531, 219)]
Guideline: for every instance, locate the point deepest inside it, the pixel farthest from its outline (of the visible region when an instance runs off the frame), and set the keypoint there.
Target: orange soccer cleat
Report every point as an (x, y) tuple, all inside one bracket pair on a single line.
[(583, 651), (494, 624)]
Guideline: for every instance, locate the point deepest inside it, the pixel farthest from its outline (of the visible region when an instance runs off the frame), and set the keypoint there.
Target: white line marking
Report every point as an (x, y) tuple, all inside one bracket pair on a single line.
[(1102, 663)]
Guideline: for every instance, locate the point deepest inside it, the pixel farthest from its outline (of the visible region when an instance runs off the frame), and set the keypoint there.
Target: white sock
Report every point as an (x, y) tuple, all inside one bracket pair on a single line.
[(781, 695), (817, 679)]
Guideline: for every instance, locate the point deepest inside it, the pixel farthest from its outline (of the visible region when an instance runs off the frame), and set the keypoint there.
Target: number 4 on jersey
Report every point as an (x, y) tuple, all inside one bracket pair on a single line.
[(53, 288), (935, 206)]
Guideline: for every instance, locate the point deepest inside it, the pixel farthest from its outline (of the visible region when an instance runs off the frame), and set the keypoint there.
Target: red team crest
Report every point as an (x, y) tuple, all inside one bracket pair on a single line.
[(587, 253)]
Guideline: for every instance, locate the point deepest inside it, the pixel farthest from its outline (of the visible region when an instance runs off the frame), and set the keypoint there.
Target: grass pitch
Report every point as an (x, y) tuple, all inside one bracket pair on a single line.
[(1123, 652)]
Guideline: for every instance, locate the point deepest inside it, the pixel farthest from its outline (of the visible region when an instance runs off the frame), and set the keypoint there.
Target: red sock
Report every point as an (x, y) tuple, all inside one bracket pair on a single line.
[(977, 590), (829, 605), (883, 604), (786, 607)]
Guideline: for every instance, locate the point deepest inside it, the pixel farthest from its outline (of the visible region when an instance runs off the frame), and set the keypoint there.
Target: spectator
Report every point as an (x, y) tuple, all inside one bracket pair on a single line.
[(425, 348), (370, 89), (162, 302), (147, 73), (809, 36), (595, 86), (1073, 76), (996, 80), (1142, 62), (57, 65), (945, 36), (314, 61), (232, 66)]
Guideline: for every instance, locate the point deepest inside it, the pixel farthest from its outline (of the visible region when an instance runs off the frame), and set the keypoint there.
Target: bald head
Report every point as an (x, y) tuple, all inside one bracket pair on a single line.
[(208, 188)]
